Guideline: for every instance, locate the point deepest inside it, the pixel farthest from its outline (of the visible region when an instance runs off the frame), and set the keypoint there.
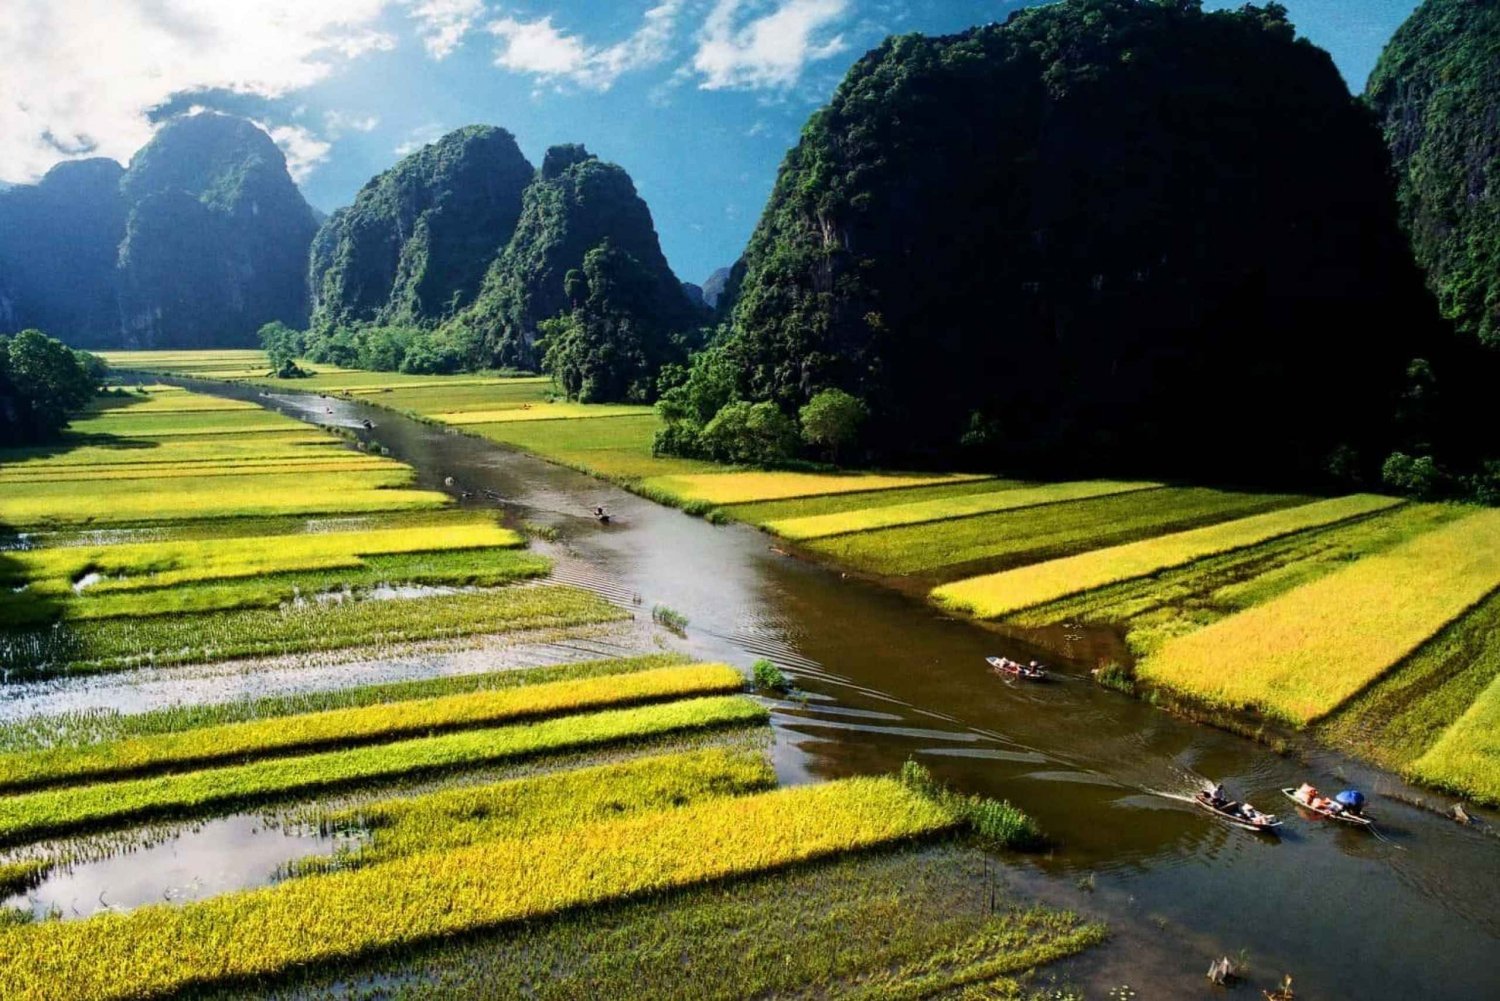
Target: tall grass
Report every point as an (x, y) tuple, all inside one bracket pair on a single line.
[(247, 741), (159, 949), (920, 512), (1300, 656), (1000, 594), (28, 816)]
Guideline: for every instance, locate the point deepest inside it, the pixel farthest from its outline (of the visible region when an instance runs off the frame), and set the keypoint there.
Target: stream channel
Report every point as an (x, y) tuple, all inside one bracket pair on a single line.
[(882, 677)]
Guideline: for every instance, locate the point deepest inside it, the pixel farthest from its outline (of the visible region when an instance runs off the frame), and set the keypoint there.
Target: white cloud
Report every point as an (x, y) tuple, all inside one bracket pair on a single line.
[(769, 50), (419, 137), (303, 149), (78, 77), (336, 122), (442, 24), (540, 49)]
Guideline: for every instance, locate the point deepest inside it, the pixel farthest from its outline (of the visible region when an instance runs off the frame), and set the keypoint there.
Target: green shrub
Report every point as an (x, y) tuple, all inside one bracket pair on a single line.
[(769, 677)]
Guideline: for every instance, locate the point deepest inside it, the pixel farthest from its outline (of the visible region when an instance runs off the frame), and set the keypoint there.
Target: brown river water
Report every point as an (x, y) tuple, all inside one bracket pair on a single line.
[(882, 677)]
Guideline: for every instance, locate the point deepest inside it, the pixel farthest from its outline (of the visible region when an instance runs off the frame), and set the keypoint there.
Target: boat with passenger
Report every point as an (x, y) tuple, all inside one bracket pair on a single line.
[(1015, 669), (1241, 815), (1347, 807)]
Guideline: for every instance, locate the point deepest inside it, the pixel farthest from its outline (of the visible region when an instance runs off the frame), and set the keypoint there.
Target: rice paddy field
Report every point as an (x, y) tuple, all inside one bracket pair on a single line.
[(588, 828), (537, 809), (171, 527)]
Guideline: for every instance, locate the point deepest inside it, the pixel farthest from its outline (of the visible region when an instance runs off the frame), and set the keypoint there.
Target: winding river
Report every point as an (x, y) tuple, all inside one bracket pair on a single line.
[(883, 677)]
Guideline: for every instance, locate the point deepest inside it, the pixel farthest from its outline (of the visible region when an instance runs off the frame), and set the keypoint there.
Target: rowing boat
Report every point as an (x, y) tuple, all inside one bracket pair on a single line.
[(1231, 811), (1015, 669), (1343, 816)]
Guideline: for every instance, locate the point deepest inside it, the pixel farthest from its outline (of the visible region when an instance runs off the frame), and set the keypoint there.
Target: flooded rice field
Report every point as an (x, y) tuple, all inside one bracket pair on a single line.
[(881, 678)]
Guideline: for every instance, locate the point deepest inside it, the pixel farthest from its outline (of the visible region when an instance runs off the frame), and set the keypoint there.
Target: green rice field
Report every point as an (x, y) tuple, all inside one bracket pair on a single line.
[(538, 804), (215, 552), (1188, 575), (514, 858)]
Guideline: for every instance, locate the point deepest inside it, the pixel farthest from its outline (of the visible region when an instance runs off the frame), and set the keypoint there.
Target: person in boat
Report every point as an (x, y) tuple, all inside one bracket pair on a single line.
[(1218, 797), (1306, 793)]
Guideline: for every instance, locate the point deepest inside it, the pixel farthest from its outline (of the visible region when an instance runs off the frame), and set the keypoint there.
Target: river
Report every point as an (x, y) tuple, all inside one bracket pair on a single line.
[(882, 677)]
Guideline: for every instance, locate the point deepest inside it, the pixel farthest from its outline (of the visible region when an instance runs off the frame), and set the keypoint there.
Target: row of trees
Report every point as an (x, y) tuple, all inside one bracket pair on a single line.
[(43, 382)]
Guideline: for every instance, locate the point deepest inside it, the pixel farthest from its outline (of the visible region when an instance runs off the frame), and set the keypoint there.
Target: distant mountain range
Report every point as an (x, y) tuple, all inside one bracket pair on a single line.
[(203, 239)]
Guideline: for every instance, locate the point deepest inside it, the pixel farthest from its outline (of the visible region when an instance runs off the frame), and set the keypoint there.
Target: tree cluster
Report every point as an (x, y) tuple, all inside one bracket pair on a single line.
[(43, 383)]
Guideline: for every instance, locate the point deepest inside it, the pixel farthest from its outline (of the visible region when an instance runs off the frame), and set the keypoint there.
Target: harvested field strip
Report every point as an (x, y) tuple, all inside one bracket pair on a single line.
[(50, 812), (84, 450), (541, 412), (920, 512), (1000, 594), (40, 733), (1303, 654), (743, 488), (805, 507), (351, 727), (163, 564), (121, 644), (1012, 538), (919, 921), (525, 808), (1466, 759), (1400, 717), (163, 948)]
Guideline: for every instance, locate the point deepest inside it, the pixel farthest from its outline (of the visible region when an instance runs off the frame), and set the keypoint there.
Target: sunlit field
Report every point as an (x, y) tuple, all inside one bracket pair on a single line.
[(1171, 567), (1303, 654), (1000, 594), (211, 549)]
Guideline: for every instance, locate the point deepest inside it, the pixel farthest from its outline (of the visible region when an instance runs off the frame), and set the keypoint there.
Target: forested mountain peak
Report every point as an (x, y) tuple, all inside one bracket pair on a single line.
[(1105, 233), (576, 204), (1437, 92), (415, 244)]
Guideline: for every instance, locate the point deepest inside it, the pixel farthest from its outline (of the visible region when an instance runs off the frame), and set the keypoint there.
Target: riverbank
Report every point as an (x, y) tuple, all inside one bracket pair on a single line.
[(1157, 564)]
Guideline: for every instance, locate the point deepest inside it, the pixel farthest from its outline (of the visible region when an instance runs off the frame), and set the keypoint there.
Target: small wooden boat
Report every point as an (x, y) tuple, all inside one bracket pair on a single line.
[(1342, 816), (1015, 669), (1235, 813)]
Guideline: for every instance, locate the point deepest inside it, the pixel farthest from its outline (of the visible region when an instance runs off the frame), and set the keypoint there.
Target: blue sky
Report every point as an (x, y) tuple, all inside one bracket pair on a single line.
[(698, 99)]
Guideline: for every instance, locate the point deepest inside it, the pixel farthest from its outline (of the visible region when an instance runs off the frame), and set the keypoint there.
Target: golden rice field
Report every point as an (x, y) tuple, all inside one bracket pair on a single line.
[(508, 806), (329, 917), (919, 512), (518, 855), (1175, 568), (1466, 758), (1303, 654), (181, 580), (999, 594), (744, 488)]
